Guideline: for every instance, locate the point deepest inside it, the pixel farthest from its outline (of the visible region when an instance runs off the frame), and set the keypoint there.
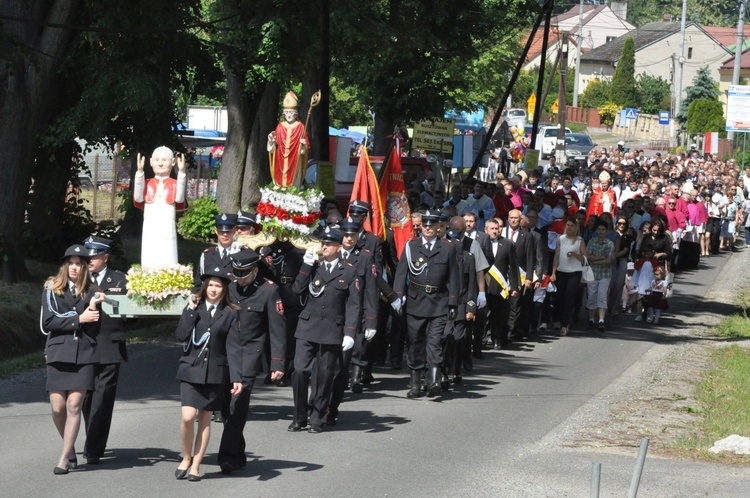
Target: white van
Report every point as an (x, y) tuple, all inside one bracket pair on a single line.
[(548, 139)]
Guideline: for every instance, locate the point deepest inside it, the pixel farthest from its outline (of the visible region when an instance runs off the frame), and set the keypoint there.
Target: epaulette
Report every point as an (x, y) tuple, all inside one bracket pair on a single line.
[(271, 284), (213, 248)]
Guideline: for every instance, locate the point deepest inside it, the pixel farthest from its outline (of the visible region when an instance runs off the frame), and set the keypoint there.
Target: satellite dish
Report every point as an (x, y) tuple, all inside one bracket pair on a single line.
[(432, 159)]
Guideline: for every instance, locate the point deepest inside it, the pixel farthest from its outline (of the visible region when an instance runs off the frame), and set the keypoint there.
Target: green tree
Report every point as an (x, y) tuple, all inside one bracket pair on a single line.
[(705, 115), (653, 93), (703, 87), (597, 93), (623, 92)]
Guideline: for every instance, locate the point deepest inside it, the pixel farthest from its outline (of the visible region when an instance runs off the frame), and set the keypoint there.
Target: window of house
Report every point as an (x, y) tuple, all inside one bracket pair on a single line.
[(610, 38), (690, 52)]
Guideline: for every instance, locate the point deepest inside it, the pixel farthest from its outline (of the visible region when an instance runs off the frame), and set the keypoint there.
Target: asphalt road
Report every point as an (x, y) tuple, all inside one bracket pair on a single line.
[(496, 435)]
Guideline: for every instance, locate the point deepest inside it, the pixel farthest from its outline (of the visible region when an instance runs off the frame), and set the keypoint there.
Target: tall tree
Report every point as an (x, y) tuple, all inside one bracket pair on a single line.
[(623, 91), (653, 93), (424, 50), (38, 45), (703, 87)]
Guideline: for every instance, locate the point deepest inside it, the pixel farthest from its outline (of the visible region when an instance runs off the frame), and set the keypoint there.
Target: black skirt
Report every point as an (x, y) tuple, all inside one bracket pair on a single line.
[(70, 377), (206, 397)]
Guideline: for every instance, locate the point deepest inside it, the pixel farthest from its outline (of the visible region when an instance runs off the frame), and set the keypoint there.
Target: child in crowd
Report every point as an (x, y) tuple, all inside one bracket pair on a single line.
[(657, 301), (643, 276), (629, 290)]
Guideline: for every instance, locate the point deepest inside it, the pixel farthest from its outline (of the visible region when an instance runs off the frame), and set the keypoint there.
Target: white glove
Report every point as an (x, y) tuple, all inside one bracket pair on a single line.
[(348, 343), (481, 300), (309, 257), (397, 304), (369, 334)]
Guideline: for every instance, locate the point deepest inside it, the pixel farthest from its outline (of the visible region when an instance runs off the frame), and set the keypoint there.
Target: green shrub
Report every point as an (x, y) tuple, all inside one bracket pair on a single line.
[(607, 113), (197, 222)]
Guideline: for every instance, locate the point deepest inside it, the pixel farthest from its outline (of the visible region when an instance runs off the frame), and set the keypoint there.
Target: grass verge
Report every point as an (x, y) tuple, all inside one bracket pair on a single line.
[(19, 363), (723, 396)]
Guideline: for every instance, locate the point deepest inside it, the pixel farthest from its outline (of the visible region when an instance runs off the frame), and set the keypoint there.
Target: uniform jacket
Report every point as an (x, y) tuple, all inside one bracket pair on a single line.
[(438, 268), (335, 311), (505, 261), (111, 338), (287, 261), (210, 259), (261, 318), (68, 341), (220, 361), (467, 296), (361, 259)]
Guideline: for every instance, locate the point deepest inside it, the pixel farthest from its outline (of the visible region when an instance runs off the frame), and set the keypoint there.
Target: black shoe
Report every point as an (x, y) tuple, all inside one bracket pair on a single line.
[(331, 421), (601, 327), (73, 462), (284, 382), (433, 382), (181, 473), (367, 377), (457, 379), (592, 325), (92, 460), (468, 364), (194, 478), (315, 429), (296, 426), (60, 471), (498, 346), (216, 417), (478, 355), (356, 379), (226, 467), (415, 387)]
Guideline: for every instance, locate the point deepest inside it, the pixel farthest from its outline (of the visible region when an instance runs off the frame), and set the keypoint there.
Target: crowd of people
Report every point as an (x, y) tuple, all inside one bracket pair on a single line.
[(493, 263)]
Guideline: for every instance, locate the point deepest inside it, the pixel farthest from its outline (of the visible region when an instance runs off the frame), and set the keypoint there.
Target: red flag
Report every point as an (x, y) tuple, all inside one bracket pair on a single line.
[(393, 197), (366, 189)]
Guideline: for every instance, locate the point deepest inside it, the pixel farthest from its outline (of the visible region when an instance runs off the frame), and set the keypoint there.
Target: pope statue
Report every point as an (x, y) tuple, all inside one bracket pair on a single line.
[(288, 146), (160, 197)]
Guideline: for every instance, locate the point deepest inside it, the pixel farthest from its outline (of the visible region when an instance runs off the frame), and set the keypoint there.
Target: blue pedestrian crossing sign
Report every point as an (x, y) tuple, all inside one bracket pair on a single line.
[(663, 117), (630, 113)]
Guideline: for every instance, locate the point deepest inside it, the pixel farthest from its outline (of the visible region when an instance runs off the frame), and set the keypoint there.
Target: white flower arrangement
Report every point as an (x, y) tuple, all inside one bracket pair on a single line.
[(157, 286), (288, 211)]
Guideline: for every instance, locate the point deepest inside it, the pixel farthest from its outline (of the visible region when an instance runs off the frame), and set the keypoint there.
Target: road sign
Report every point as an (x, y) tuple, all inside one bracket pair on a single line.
[(630, 113), (555, 106), (435, 135), (663, 117), (738, 108)]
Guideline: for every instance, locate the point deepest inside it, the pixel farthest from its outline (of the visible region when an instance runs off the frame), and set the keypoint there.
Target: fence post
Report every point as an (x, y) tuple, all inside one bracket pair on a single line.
[(114, 184), (596, 477), (638, 469), (96, 186)]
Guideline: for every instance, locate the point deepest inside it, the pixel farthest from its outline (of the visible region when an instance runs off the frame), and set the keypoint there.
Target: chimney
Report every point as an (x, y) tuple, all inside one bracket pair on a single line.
[(619, 8), (667, 17)]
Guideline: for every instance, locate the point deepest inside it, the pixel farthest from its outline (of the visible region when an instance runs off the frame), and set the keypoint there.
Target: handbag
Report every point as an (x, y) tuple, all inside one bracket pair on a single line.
[(588, 274)]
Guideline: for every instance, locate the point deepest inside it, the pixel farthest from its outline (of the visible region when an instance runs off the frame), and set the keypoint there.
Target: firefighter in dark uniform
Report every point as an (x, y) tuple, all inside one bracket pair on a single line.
[(431, 267), (286, 260), (261, 318), (359, 210), (456, 338), (327, 324), (218, 256), (359, 355), (110, 345)]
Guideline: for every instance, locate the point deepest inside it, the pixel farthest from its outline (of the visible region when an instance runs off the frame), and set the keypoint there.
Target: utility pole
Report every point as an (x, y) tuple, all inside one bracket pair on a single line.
[(578, 55), (562, 103), (738, 52), (681, 61)]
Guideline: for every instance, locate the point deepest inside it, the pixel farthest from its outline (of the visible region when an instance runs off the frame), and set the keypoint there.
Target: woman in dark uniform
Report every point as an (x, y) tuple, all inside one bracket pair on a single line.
[(70, 320), (210, 328)]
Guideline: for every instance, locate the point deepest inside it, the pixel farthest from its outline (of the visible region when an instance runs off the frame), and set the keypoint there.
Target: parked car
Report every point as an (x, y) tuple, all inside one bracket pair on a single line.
[(513, 116), (578, 146), (548, 136)]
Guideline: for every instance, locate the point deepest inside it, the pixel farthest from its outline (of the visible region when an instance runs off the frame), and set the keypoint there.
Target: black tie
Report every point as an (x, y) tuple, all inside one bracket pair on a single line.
[(95, 277), (224, 254), (328, 267), (428, 246), (211, 310)]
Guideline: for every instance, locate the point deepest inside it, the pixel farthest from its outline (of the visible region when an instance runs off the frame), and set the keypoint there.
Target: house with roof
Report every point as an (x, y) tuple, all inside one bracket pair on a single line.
[(726, 71), (600, 25), (657, 50)]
